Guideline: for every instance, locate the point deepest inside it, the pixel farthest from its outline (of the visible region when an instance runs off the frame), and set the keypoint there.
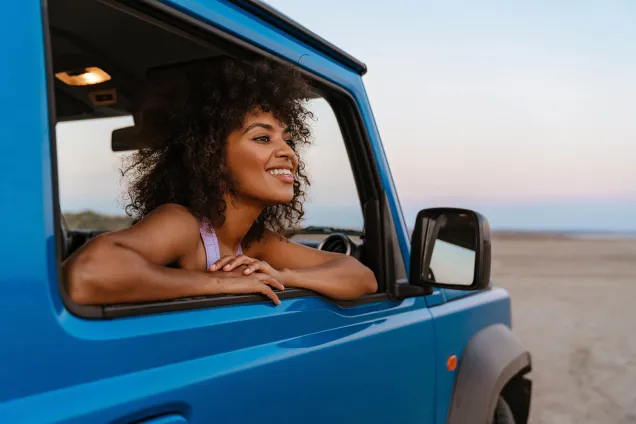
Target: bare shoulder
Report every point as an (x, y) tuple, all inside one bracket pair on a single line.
[(171, 220), (167, 233), (165, 218), (174, 211), (172, 214)]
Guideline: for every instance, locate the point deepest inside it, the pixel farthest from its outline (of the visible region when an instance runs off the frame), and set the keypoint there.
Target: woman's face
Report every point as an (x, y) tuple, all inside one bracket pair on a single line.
[(261, 161)]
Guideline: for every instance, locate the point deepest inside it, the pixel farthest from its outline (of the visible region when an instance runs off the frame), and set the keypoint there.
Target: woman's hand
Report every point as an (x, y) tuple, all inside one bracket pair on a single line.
[(242, 274), (248, 265), (233, 283)]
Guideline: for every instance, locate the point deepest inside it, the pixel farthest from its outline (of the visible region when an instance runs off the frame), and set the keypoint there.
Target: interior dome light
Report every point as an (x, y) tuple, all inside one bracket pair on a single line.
[(84, 76)]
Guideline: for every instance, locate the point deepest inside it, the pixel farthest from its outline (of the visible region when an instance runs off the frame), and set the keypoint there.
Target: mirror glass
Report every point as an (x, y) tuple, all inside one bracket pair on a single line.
[(451, 243)]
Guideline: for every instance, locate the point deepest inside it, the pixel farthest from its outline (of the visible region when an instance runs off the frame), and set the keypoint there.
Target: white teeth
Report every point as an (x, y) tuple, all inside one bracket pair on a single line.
[(280, 171)]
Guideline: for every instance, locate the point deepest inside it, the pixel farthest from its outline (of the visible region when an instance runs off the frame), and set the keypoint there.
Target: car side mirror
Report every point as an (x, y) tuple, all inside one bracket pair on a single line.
[(450, 248)]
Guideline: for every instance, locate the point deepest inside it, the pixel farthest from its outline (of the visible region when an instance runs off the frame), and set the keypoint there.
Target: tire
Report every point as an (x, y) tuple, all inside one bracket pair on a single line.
[(503, 413)]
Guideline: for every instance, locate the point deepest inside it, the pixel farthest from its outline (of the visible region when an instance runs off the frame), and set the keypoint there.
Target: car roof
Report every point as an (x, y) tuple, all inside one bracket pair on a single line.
[(128, 49), (281, 21)]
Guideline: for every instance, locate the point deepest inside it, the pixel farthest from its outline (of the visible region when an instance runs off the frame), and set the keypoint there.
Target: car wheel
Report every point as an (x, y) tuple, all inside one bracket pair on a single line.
[(503, 413)]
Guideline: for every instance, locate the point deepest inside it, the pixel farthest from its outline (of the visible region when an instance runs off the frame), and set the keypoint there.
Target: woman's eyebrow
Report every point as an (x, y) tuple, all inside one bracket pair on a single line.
[(264, 125), (258, 124)]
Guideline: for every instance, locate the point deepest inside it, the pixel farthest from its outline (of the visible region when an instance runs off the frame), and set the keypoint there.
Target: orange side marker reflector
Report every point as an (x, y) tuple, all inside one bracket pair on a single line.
[(451, 363)]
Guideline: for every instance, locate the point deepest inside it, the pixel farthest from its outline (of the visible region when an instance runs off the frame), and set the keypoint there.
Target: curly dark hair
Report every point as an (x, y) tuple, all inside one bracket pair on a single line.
[(184, 123)]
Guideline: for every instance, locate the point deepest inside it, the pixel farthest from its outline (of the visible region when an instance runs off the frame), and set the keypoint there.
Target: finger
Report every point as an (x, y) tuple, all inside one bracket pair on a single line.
[(247, 286), (271, 281), (251, 287), (267, 291), (238, 261), (262, 267), (219, 264), (254, 266)]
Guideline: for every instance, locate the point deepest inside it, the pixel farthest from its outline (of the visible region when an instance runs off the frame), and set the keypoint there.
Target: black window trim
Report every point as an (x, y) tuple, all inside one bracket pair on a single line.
[(185, 304), (352, 127)]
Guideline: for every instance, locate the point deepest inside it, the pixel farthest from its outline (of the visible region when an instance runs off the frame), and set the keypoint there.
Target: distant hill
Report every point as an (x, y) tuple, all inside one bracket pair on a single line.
[(89, 220)]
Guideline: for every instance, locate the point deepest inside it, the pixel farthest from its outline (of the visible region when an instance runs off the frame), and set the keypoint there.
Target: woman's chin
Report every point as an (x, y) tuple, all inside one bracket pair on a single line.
[(279, 199)]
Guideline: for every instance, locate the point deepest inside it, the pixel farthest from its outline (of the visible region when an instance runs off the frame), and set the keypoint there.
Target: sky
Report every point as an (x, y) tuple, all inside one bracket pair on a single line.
[(523, 111)]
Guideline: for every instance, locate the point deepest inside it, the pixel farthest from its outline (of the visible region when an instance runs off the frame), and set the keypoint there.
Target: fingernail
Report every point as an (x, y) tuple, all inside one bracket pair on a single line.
[(213, 266), (226, 267)]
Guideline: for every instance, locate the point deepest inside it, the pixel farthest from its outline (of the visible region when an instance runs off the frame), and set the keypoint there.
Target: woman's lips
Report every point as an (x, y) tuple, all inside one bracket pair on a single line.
[(283, 175)]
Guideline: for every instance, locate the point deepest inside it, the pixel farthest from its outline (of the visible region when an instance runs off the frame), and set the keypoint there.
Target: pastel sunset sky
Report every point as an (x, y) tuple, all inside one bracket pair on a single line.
[(523, 110)]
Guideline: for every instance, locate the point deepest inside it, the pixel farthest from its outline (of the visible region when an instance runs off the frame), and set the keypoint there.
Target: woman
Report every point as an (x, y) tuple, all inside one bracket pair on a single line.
[(220, 180)]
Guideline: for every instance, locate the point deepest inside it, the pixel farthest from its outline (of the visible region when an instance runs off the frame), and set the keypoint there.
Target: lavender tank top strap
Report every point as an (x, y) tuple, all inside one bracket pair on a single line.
[(211, 244)]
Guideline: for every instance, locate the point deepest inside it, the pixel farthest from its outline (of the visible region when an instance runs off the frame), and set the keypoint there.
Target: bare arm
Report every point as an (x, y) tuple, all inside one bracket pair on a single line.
[(332, 274), (127, 266)]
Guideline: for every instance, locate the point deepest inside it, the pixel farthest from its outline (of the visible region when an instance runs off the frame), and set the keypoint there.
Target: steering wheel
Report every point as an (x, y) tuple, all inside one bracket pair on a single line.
[(338, 243)]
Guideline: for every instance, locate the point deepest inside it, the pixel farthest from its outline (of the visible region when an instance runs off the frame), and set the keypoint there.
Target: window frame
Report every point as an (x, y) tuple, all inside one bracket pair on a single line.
[(373, 202)]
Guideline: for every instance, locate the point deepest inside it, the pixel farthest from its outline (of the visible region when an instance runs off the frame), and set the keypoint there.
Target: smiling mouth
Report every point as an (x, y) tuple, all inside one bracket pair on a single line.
[(282, 174)]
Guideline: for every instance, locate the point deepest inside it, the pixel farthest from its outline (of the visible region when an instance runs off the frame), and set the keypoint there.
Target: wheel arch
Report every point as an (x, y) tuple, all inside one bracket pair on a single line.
[(494, 362)]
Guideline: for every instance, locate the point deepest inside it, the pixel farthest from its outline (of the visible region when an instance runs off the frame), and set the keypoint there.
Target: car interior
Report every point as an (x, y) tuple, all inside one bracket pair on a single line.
[(112, 43)]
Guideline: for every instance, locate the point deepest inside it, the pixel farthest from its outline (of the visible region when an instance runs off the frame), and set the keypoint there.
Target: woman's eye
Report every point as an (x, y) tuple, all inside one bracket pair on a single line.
[(290, 142), (263, 138)]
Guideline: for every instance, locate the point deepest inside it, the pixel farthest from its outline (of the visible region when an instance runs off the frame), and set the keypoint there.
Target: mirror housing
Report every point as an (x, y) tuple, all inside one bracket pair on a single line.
[(450, 248)]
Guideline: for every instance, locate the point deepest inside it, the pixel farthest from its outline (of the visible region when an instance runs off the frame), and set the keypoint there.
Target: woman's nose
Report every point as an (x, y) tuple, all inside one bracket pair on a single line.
[(284, 150)]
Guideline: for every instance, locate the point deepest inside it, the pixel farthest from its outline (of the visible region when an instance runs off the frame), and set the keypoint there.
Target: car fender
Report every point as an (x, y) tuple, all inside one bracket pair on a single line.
[(492, 357)]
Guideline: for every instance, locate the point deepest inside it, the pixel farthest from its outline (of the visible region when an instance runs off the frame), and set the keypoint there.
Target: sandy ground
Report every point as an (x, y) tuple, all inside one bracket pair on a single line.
[(574, 307)]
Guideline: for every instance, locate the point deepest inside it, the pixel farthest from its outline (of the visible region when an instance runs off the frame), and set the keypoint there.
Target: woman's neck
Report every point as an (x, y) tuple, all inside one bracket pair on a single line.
[(239, 218)]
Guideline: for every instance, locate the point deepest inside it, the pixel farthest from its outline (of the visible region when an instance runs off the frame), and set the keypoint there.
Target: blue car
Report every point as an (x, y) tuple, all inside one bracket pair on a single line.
[(433, 345)]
